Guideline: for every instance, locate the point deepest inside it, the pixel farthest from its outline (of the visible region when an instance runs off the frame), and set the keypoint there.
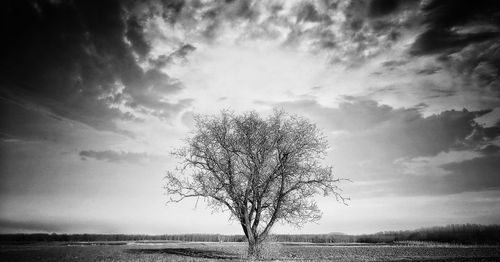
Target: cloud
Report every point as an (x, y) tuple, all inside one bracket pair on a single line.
[(428, 71), (179, 56), (343, 31), (401, 131), (438, 41), (433, 165), (135, 35), (400, 151), (489, 149), (447, 173), (96, 70), (355, 115), (307, 12), (379, 8), (349, 35), (478, 174), (117, 156), (147, 90), (85, 64), (464, 35)]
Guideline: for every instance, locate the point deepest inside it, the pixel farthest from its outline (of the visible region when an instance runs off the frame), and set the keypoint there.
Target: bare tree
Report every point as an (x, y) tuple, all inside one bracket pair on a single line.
[(263, 170)]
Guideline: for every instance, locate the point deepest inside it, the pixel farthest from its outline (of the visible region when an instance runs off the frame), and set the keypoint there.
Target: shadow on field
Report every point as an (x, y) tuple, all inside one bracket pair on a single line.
[(190, 252)]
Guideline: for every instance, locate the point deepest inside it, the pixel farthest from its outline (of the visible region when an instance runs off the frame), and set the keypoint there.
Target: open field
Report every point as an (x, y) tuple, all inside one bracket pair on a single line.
[(189, 251)]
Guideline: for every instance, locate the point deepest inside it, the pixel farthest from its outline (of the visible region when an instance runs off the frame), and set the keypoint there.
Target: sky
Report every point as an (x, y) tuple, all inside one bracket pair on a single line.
[(94, 96)]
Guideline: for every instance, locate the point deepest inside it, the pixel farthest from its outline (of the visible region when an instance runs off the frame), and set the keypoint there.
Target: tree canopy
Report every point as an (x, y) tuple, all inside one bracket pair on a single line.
[(262, 170)]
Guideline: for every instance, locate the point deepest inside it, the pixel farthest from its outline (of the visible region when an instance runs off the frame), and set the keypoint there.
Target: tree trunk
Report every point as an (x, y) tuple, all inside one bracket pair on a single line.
[(253, 249)]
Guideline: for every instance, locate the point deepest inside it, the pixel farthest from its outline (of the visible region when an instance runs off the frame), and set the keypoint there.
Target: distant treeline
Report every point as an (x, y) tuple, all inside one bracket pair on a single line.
[(455, 234), (467, 234), (120, 237)]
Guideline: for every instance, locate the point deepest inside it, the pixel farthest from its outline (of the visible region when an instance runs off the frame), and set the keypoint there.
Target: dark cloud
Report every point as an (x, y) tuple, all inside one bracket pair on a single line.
[(465, 37), (402, 131), (379, 8), (492, 131), (439, 92), (382, 7), (307, 12), (449, 13), (418, 135), (184, 50), (489, 149), (147, 90), (179, 56), (172, 9), (438, 40), (72, 57), (116, 156), (373, 27), (242, 9), (477, 174), (375, 137), (394, 63), (485, 133), (353, 115), (216, 13), (428, 71), (474, 175), (135, 35)]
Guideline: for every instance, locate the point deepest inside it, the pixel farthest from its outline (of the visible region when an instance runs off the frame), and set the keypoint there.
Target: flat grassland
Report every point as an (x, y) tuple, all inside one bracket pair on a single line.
[(206, 251)]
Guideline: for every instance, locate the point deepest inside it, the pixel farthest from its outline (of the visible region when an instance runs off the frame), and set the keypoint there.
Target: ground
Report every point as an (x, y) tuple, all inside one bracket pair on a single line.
[(189, 251)]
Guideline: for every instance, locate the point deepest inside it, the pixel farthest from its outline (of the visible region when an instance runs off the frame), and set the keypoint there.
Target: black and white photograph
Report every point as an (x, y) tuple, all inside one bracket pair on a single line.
[(250, 130)]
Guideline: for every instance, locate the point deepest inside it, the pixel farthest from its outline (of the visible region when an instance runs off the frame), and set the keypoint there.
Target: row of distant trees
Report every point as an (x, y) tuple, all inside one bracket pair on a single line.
[(120, 237), (454, 234), (467, 234)]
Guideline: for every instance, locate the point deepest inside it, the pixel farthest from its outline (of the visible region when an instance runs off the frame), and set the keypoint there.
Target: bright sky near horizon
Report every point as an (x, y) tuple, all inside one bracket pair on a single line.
[(95, 94)]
